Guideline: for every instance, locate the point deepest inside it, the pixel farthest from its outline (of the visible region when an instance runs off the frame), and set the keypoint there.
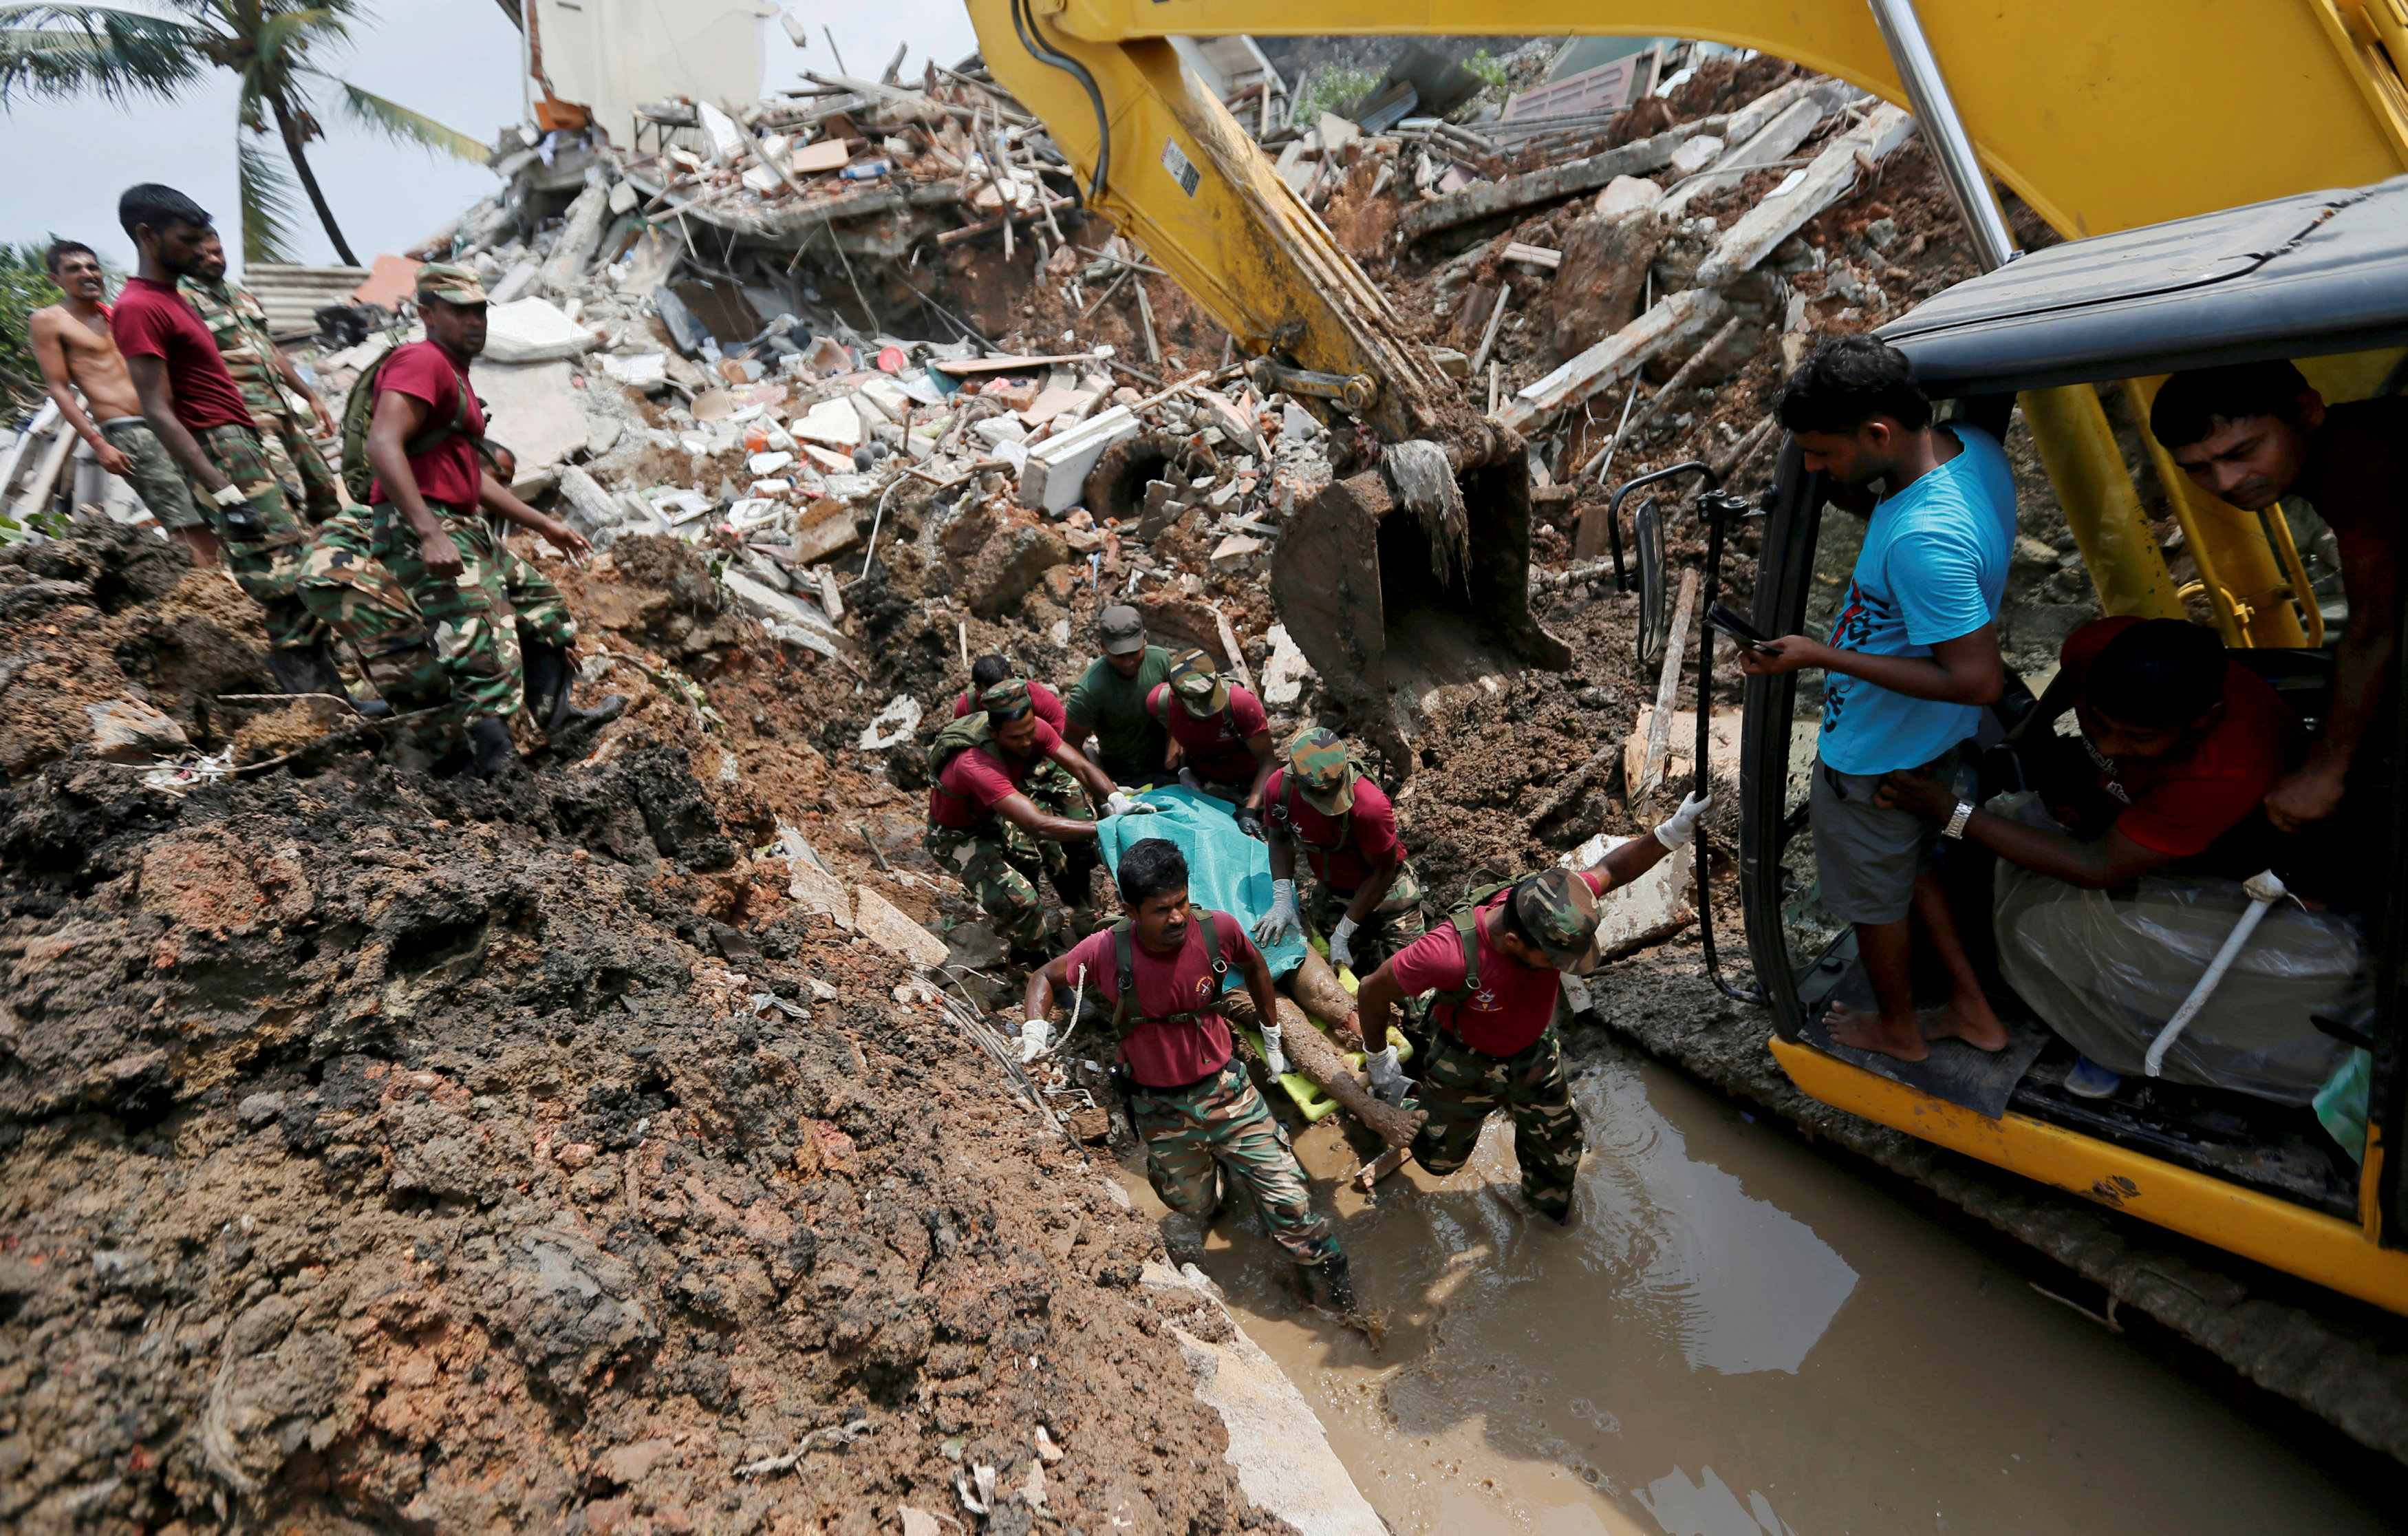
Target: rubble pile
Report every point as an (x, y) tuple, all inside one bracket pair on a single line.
[(611, 1146)]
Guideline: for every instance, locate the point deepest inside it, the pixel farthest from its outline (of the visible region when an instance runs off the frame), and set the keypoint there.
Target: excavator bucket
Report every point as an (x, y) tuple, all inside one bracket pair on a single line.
[(1385, 612)]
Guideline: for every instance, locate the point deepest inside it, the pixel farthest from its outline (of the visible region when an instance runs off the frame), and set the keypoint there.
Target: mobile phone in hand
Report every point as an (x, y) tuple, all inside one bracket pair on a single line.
[(1723, 618)]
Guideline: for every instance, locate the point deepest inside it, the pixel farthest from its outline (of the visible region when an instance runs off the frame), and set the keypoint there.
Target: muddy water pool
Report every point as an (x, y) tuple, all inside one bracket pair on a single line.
[(1735, 1337)]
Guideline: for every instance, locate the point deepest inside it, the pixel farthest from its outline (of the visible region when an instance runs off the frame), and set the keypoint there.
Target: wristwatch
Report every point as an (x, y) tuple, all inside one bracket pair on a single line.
[(1956, 827)]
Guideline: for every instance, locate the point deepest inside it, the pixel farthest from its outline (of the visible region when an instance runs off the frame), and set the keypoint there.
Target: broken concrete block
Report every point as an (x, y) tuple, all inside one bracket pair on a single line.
[(761, 179), (828, 154), (765, 602), (1011, 563), (1285, 673), (1236, 549), (127, 731), (533, 330), (1658, 898), (644, 371), (1783, 213), (531, 409), (886, 926), (1696, 155), (1335, 132), (1051, 403), (823, 528), (514, 282), (591, 511), (831, 422), (1057, 467), (1627, 194), (728, 141), (995, 431), (886, 395), (1672, 321), (1603, 274)]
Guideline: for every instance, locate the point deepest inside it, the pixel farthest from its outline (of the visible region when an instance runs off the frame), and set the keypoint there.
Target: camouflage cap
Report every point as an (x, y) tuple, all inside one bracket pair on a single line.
[(1196, 678), (1557, 909), (1007, 701), (451, 284), (1325, 774)]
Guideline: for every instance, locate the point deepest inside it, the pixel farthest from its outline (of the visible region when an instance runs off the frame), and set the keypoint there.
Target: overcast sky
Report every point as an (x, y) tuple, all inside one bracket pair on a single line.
[(454, 60)]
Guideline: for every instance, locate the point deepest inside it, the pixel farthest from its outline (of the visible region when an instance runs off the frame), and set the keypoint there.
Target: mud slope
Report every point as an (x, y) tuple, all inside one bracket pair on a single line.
[(385, 1154)]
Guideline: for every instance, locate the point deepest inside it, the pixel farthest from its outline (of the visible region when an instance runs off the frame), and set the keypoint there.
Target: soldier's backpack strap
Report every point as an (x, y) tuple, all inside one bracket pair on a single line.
[(1465, 919), (1124, 976)]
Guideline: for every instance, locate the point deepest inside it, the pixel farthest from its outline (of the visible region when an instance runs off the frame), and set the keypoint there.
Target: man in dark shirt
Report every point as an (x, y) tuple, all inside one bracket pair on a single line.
[(198, 412), (1188, 1098), (2255, 432), (1108, 701)]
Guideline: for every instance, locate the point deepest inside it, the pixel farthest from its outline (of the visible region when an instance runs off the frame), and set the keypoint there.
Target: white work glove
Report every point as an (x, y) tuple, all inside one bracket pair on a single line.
[(1036, 1034), (1284, 920), (1675, 834), (1120, 804), (1272, 1057), (1387, 1077), (1341, 944)]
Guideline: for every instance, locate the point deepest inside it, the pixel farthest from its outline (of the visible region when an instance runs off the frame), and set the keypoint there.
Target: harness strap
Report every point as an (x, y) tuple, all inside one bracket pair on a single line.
[(1295, 828), (1125, 975)]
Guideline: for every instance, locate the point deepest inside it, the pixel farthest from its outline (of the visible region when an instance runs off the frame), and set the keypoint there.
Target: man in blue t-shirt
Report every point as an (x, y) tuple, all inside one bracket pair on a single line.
[(1913, 660)]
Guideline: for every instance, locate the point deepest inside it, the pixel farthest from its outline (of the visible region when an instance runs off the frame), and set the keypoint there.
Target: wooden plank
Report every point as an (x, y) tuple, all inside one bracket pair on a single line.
[(1668, 687), (1534, 255), (1831, 176)]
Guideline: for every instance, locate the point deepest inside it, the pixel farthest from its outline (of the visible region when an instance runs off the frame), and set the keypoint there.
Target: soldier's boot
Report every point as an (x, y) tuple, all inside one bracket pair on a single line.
[(1073, 883), (306, 669), (548, 697), (1338, 1283), (489, 742)]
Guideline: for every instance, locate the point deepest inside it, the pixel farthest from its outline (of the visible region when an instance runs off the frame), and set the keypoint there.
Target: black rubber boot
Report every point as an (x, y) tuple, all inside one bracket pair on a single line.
[(1338, 1280), (551, 695), (489, 739), (308, 669)]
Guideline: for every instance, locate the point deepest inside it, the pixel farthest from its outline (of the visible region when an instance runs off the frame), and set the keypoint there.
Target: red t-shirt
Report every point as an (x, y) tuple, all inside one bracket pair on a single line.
[(1048, 702), (976, 781), (2180, 803), (1371, 819), (447, 472), (1514, 1001), (153, 321), (1169, 1055), (1214, 746)]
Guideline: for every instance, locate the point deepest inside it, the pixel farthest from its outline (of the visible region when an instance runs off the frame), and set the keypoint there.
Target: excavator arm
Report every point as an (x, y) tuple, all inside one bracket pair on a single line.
[(2101, 116)]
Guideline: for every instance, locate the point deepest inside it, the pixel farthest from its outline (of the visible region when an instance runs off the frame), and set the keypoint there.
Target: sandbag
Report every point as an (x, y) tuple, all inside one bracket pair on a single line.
[(2106, 970)]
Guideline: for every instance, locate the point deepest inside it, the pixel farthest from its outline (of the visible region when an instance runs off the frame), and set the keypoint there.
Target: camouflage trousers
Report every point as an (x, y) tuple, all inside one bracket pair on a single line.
[(998, 862), (265, 544), (153, 472), (1222, 1128), (309, 483), (471, 626), (1460, 1085)]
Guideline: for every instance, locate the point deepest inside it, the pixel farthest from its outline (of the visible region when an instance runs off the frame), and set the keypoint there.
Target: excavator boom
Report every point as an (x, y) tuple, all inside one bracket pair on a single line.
[(2102, 115)]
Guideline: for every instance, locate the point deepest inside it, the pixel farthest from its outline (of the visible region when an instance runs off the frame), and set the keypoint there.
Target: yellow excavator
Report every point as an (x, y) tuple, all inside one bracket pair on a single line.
[(2104, 119)]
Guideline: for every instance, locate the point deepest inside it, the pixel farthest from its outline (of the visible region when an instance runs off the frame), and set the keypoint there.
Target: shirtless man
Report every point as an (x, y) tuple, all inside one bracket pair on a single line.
[(72, 343), (2255, 432)]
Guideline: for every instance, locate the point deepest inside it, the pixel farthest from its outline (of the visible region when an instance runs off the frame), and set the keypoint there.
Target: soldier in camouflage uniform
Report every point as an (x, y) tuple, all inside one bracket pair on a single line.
[(1496, 972), (982, 826), (1193, 1107), (267, 381)]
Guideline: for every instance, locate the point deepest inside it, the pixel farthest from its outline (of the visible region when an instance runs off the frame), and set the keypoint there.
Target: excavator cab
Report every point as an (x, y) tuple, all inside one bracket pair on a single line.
[(2297, 1167)]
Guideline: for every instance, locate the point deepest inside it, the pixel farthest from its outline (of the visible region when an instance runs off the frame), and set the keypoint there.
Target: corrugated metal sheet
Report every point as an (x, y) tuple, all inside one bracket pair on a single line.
[(293, 295)]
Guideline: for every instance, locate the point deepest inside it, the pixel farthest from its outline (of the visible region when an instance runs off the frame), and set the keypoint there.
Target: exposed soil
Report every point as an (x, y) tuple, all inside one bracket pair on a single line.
[(387, 1152)]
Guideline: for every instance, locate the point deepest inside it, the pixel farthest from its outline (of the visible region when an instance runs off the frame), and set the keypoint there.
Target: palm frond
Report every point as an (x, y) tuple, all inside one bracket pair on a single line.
[(285, 36), (403, 127), (268, 204), (57, 51)]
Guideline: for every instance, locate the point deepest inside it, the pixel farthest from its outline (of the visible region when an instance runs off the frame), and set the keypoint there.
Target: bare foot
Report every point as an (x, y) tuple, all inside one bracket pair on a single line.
[(1967, 1019), (1863, 1031)]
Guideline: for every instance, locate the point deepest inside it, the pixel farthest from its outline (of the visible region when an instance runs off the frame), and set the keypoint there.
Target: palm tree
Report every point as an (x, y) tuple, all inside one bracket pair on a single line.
[(59, 51)]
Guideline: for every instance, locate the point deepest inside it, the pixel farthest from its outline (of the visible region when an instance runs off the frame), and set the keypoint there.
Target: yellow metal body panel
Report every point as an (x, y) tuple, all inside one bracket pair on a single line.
[(2078, 449), (2092, 112), (2275, 1232)]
